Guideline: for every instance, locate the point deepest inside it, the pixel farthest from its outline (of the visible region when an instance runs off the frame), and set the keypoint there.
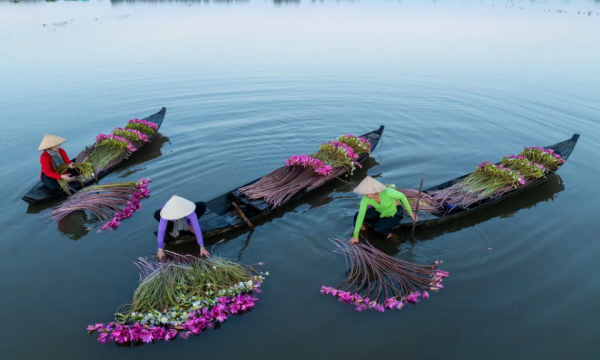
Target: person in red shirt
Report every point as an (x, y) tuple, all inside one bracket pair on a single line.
[(52, 157)]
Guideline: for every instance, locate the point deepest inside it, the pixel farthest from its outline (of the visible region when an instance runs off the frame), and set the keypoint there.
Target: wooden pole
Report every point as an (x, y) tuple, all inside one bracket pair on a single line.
[(417, 209), (87, 152), (242, 215)]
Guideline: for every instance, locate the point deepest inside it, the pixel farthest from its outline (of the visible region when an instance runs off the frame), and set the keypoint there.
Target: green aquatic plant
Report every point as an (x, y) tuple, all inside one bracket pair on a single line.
[(85, 169), (167, 284)]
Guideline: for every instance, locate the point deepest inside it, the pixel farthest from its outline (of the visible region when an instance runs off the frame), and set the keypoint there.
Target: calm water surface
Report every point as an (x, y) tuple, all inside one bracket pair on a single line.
[(248, 84)]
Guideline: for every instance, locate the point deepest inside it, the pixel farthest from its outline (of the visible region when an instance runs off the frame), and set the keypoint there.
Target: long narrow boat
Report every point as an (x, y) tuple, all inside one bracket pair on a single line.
[(564, 149), (39, 193), (221, 216)]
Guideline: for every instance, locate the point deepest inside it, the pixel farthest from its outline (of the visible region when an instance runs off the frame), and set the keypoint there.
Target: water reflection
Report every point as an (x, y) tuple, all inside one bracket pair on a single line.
[(76, 225)]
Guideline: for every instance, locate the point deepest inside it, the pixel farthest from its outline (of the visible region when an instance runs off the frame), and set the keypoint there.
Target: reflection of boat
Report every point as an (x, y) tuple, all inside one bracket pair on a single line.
[(40, 193), (564, 149), (221, 216)]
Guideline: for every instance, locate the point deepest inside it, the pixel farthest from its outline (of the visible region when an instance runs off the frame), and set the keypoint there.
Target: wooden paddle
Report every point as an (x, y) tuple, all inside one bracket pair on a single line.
[(242, 215), (417, 209)]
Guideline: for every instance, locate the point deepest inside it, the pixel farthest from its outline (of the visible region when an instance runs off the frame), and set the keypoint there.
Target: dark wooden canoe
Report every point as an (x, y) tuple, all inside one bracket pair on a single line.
[(39, 193), (564, 149), (221, 216)]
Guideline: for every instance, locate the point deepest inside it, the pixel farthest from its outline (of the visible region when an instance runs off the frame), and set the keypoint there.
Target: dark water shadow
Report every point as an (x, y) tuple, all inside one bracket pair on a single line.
[(545, 192)]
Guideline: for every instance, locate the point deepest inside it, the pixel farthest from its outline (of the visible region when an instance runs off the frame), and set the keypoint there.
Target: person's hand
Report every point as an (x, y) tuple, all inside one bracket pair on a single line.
[(414, 217), (67, 177), (160, 254), (203, 252), (71, 166), (353, 241)]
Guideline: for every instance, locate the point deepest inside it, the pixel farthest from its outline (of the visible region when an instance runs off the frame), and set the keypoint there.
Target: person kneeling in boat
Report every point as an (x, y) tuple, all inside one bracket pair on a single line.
[(52, 157), (384, 214), (177, 215)]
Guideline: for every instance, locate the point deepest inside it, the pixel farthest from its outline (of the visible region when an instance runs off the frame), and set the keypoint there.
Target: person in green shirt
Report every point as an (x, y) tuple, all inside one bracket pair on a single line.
[(384, 214)]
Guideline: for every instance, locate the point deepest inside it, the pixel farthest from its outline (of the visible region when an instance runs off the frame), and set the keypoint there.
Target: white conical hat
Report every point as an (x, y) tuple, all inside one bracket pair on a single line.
[(177, 208), (369, 186), (50, 140)]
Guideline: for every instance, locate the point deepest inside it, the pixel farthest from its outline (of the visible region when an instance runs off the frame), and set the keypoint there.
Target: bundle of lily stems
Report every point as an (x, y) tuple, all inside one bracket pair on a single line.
[(108, 203), (110, 149), (182, 295), (379, 281), (304, 172), (85, 169), (489, 180)]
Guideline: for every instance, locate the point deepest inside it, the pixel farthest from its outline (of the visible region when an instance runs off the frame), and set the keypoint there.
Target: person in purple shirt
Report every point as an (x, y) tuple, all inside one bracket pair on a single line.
[(179, 214)]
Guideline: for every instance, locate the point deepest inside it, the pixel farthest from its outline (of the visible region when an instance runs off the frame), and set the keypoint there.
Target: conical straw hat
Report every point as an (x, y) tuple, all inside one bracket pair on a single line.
[(369, 186), (50, 140), (177, 208)]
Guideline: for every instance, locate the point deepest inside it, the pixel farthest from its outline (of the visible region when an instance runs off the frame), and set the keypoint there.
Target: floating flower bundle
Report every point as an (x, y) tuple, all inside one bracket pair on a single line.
[(85, 172), (110, 149), (379, 281), (183, 295), (528, 169), (143, 126), (109, 203), (304, 173), (545, 157)]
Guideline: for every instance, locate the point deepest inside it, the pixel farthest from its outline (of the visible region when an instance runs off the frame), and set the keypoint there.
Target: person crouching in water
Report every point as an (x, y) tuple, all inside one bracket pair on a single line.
[(384, 214), (177, 215)]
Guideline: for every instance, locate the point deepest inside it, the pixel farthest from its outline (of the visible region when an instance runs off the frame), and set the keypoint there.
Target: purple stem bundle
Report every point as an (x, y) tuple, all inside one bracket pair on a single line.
[(282, 184), (376, 280)]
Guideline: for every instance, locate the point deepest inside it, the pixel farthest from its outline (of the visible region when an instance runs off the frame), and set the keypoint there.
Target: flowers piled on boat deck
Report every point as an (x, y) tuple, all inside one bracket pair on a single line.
[(110, 203), (132, 135), (182, 295), (545, 157), (528, 169), (85, 169), (304, 172), (110, 149), (309, 163), (143, 126), (358, 144), (379, 281)]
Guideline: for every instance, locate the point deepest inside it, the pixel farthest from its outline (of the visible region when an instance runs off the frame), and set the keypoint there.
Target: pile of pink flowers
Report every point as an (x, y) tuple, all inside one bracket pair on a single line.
[(149, 124), (198, 321), (132, 133), (133, 205), (310, 163), (349, 151), (115, 141), (398, 303)]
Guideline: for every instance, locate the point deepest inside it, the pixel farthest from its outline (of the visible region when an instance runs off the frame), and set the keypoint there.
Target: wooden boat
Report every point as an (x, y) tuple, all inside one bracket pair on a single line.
[(221, 215), (39, 193), (564, 149)]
